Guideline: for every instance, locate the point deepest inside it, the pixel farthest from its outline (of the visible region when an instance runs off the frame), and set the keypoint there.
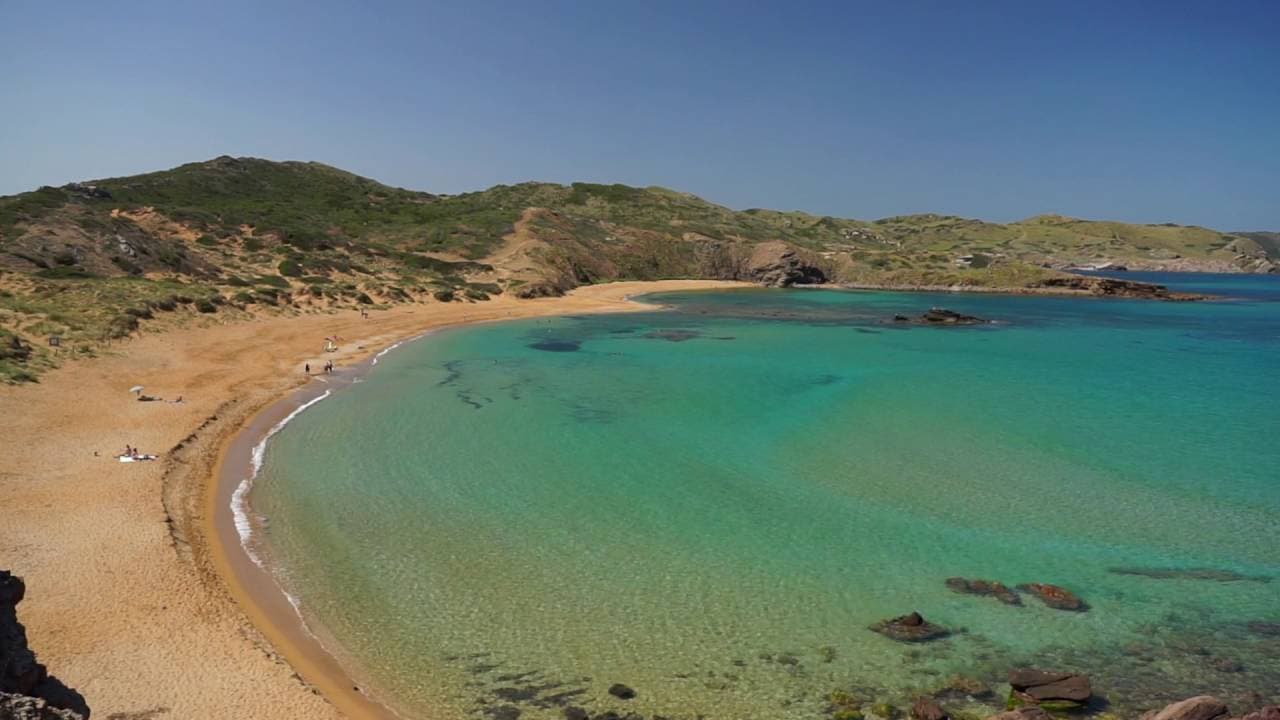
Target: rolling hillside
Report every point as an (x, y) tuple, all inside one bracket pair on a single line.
[(91, 262)]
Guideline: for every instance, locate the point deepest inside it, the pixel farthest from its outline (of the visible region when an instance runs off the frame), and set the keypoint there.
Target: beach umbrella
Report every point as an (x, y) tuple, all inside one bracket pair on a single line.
[(135, 389)]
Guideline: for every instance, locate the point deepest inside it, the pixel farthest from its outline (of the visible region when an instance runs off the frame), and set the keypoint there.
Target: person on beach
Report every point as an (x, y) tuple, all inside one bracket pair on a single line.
[(307, 368)]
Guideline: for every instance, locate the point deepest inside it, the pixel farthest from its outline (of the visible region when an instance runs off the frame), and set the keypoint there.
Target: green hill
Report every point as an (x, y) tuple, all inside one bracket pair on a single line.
[(90, 261)]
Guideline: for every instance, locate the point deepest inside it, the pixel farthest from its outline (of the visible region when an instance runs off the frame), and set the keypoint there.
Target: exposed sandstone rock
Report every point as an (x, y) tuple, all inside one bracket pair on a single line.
[(995, 589), (1055, 597), (779, 264), (910, 628), (1110, 287), (1042, 685), (1201, 707)]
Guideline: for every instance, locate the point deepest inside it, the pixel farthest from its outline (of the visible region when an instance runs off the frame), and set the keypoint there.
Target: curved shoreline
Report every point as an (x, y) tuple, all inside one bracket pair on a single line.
[(252, 586)]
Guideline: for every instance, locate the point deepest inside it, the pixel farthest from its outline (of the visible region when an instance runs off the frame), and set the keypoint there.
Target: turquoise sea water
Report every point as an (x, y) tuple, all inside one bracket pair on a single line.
[(711, 503)]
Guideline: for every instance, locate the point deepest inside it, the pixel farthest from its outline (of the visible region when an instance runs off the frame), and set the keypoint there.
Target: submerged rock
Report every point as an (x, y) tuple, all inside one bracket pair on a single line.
[(1201, 707), (1055, 597), (1270, 712), (964, 686), (672, 335), (1042, 685), (926, 708), (1189, 574), (995, 589), (551, 345), (910, 628), (1028, 712), (1227, 665), (621, 691), (1264, 627)]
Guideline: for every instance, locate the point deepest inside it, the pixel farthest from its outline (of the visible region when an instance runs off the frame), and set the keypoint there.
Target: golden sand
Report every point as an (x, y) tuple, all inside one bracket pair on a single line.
[(133, 596)]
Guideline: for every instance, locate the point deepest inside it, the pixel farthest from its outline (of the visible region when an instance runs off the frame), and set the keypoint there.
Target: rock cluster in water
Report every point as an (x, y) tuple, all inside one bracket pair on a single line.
[(991, 588), (941, 316), (27, 692), (1054, 596)]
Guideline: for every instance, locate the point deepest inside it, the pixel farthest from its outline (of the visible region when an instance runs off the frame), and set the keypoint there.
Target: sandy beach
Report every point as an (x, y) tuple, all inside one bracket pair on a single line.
[(132, 597)]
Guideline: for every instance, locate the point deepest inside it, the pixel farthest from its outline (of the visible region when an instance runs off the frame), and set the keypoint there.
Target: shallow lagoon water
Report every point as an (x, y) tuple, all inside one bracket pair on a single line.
[(711, 503)]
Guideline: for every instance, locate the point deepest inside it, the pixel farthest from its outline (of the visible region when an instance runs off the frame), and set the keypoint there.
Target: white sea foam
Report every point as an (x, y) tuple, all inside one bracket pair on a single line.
[(386, 350), (240, 498)]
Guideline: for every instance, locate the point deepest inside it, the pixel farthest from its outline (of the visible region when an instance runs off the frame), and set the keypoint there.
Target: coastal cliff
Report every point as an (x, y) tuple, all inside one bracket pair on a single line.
[(27, 691)]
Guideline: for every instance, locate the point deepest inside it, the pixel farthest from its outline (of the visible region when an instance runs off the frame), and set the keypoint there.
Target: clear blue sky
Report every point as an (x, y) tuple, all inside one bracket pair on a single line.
[(1144, 111)]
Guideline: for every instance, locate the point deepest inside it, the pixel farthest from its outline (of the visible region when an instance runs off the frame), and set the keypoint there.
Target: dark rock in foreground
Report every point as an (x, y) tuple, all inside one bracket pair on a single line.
[(1055, 597), (910, 628), (995, 589), (1201, 707), (26, 690), (1045, 686), (22, 707)]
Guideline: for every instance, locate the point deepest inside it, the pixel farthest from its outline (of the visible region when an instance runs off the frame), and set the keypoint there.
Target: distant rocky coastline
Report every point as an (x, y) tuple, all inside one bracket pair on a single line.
[(1071, 285)]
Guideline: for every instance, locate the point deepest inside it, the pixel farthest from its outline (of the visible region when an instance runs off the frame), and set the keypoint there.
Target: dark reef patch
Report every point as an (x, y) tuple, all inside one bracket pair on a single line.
[(453, 370), (675, 335), (554, 345), (1210, 574)]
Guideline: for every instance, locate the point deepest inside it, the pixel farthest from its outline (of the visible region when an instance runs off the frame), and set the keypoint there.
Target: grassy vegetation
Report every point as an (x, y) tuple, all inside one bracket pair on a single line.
[(312, 206), (97, 261)]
